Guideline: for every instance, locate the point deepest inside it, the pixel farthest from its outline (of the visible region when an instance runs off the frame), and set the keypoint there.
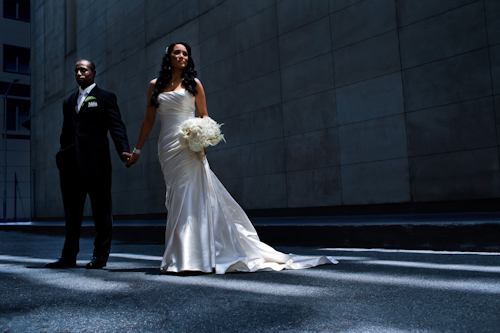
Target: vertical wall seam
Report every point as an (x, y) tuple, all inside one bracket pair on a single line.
[(404, 105), (336, 113), (491, 78)]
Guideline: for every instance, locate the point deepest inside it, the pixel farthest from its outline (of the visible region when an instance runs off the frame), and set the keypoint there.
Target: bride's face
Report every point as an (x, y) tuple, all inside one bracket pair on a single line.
[(179, 56)]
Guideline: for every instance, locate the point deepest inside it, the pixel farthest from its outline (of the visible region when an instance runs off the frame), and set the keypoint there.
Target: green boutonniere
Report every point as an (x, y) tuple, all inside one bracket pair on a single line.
[(89, 99)]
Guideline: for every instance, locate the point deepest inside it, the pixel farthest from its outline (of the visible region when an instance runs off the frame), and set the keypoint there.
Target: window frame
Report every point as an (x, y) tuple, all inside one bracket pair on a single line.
[(18, 56), (18, 6), (19, 129)]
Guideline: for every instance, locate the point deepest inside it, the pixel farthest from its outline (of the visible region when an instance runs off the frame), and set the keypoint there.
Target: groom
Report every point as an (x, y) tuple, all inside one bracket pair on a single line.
[(84, 163)]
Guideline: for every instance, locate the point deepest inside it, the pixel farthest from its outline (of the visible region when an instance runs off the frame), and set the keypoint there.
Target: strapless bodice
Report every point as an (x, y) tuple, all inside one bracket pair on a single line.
[(175, 107)]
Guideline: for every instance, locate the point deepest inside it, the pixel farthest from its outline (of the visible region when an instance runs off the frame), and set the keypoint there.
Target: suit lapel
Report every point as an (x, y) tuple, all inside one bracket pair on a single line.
[(72, 102)]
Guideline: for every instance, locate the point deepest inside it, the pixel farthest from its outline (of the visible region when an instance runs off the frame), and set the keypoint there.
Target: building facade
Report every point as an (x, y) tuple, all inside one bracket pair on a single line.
[(329, 106), (15, 189)]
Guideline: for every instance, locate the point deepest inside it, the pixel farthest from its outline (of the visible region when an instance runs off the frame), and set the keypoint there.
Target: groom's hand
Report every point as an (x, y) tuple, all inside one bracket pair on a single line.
[(125, 157), (132, 160)]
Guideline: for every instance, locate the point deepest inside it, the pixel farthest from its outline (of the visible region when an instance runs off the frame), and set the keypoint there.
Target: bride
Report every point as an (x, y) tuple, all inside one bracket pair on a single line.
[(206, 230)]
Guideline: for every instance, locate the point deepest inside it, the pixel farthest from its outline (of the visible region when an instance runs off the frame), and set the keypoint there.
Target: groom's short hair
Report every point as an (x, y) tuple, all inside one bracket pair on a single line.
[(91, 63)]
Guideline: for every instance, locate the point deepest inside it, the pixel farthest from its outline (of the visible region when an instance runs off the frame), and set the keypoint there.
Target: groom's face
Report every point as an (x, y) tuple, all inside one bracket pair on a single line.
[(84, 73)]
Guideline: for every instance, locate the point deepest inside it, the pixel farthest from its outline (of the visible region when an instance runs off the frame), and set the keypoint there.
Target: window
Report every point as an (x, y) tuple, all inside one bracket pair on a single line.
[(18, 113), (16, 59), (17, 9)]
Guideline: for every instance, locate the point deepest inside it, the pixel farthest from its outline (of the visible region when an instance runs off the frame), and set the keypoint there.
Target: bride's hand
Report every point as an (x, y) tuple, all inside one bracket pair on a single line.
[(201, 155), (133, 160)]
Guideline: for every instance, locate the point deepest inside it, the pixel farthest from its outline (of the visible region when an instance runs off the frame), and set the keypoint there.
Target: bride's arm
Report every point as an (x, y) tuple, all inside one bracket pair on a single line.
[(200, 101), (147, 125)]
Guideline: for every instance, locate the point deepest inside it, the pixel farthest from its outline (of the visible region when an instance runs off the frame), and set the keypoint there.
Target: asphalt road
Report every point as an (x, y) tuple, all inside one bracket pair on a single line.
[(368, 291)]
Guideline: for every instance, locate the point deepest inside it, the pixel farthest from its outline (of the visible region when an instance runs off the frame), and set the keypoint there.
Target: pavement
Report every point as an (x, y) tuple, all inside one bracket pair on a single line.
[(370, 290)]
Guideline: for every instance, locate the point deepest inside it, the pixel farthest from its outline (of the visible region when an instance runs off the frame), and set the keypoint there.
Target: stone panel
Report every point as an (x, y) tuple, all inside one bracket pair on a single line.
[(113, 12), (455, 32), (225, 163), (447, 81), (294, 14), (367, 59), (245, 9), (257, 61), (235, 188), (465, 175), (196, 56), (260, 92), (83, 20), (492, 8), (312, 150), (410, 11), (305, 43), (495, 67), (155, 29), (263, 158), (152, 147), (156, 203), (129, 46), (336, 5), (497, 115), (370, 99), (461, 126), (134, 87), (218, 47), (362, 21), (220, 75), (217, 19), (189, 33), (264, 192), (231, 131), (155, 52), (373, 140), (376, 182), (206, 5), (256, 29), (308, 77), (128, 25), (313, 188), (97, 9), (261, 125), (130, 6), (182, 12), (223, 103), (310, 113)]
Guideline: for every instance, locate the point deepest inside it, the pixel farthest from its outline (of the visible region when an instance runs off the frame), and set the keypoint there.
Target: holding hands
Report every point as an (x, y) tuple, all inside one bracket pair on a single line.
[(132, 158), (125, 157)]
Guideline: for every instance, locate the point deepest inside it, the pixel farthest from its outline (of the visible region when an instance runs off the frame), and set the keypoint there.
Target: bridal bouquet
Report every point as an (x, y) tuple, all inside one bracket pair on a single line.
[(199, 133)]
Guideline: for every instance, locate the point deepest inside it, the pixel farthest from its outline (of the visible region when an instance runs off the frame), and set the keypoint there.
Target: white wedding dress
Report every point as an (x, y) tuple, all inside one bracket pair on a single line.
[(206, 229)]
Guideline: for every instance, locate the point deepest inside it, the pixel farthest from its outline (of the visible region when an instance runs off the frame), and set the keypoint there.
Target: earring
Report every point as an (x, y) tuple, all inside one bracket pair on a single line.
[(169, 68)]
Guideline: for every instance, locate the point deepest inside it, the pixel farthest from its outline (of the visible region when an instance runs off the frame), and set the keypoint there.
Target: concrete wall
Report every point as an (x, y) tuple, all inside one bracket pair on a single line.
[(325, 103)]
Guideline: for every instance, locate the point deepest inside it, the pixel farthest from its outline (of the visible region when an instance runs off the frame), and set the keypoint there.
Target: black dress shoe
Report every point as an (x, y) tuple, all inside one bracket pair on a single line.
[(96, 263), (62, 262)]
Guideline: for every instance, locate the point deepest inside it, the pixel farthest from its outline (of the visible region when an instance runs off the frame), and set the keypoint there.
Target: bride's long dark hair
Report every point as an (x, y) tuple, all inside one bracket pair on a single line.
[(188, 74)]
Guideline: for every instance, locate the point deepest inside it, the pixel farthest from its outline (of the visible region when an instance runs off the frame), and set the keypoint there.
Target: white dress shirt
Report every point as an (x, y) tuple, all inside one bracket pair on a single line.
[(83, 94)]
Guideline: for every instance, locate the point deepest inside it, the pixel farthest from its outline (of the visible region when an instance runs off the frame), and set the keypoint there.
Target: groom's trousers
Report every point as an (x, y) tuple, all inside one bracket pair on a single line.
[(75, 187)]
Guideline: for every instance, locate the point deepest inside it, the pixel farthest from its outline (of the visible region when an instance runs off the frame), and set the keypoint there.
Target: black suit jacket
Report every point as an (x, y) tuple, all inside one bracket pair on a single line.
[(84, 137)]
